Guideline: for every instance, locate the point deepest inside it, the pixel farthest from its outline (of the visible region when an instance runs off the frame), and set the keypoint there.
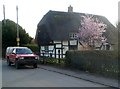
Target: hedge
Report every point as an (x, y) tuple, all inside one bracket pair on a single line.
[(100, 62), (33, 47)]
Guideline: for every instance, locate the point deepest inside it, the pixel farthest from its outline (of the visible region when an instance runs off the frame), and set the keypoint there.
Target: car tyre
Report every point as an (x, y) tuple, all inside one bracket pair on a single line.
[(8, 63), (35, 66), (17, 66)]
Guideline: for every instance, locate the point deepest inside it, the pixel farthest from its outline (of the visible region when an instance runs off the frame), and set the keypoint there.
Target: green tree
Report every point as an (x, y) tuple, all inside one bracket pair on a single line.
[(9, 34)]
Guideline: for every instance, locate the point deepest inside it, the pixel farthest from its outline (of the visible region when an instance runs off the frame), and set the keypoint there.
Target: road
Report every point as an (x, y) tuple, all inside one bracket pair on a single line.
[(29, 77)]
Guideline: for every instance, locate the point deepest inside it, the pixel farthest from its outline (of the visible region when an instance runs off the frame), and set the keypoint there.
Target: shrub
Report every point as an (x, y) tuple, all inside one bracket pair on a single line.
[(100, 62), (33, 47)]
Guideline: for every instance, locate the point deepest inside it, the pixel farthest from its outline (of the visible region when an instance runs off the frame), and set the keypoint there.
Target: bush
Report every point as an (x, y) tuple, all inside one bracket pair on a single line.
[(100, 62), (33, 47), (3, 52)]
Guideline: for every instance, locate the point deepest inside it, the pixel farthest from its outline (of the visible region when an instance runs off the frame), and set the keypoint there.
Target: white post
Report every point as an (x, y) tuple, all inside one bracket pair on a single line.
[(18, 39), (4, 14)]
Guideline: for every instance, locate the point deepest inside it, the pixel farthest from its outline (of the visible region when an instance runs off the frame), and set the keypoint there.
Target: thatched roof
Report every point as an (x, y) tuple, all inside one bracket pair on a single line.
[(57, 26)]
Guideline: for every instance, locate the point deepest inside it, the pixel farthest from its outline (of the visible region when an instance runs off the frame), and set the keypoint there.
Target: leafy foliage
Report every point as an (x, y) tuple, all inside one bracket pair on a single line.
[(33, 47), (9, 34), (102, 62)]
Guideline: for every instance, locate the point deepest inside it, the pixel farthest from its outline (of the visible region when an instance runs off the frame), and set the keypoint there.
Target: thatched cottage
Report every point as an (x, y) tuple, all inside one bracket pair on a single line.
[(57, 32)]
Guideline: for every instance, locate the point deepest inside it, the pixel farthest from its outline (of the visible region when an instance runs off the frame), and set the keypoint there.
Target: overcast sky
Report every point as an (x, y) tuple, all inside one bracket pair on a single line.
[(30, 12)]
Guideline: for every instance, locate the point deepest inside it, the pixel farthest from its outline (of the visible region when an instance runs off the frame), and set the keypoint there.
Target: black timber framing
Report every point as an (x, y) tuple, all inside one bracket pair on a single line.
[(55, 50)]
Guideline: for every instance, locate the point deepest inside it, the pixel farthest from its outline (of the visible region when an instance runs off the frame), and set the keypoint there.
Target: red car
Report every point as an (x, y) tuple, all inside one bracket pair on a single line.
[(21, 56)]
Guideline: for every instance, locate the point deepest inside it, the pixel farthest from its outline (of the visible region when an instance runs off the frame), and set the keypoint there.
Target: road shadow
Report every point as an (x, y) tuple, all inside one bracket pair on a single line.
[(4, 65), (24, 67), (21, 67)]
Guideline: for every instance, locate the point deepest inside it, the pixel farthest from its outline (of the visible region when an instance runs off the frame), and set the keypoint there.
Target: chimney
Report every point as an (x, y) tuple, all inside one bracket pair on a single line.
[(70, 9)]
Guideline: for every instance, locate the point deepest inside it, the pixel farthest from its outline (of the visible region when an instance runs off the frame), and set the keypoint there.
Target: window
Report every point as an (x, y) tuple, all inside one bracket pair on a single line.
[(73, 42), (14, 51), (46, 48), (106, 46), (73, 35), (73, 47), (23, 51)]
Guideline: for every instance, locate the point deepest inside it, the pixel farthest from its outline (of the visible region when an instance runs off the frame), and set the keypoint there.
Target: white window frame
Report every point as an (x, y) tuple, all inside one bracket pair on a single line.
[(73, 35)]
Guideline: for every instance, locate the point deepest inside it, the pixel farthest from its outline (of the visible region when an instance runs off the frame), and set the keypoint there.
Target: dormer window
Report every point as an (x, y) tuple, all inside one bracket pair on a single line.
[(73, 35)]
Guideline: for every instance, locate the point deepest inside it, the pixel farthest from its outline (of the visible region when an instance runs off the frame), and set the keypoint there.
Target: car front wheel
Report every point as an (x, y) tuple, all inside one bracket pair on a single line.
[(35, 66)]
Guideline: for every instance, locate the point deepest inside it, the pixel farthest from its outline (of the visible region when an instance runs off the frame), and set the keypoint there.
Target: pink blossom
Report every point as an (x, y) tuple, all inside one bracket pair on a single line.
[(91, 29)]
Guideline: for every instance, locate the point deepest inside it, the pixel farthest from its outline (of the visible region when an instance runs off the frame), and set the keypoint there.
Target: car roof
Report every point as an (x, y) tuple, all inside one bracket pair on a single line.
[(16, 47)]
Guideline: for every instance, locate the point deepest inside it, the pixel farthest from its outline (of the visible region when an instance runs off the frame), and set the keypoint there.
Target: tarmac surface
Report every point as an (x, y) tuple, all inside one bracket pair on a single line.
[(83, 75)]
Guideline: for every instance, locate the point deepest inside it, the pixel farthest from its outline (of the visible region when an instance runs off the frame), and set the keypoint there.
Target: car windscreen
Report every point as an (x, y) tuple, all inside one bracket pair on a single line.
[(23, 51)]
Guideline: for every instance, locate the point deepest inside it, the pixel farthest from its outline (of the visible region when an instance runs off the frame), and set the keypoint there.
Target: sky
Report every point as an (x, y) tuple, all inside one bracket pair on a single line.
[(30, 12)]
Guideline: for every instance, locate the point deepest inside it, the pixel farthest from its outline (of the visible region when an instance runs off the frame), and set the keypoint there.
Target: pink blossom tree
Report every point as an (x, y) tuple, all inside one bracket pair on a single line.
[(91, 30)]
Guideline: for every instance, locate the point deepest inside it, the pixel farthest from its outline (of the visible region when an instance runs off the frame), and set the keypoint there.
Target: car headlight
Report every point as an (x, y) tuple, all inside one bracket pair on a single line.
[(21, 58), (36, 57)]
